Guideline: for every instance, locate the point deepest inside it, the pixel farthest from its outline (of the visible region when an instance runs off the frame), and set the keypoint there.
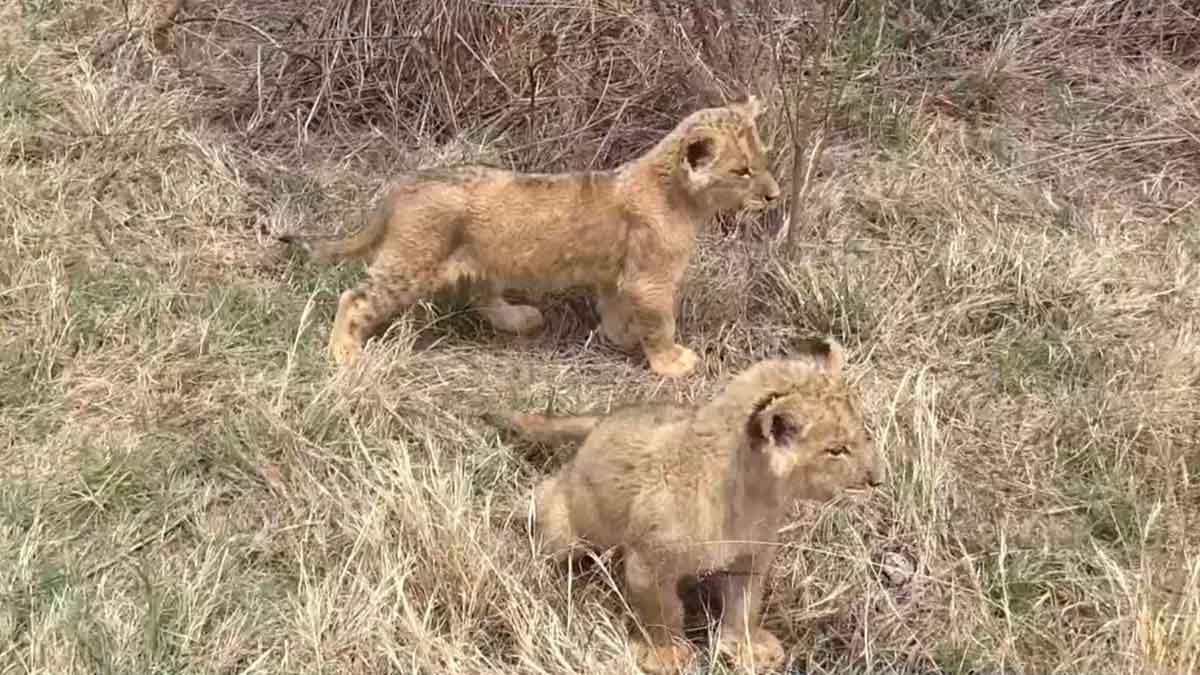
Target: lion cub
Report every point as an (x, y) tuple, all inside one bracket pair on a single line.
[(691, 492), (627, 233)]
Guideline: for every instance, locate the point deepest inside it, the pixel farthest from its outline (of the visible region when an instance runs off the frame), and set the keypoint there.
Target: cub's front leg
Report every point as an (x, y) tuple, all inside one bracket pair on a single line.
[(653, 594), (652, 313), (752, 647)]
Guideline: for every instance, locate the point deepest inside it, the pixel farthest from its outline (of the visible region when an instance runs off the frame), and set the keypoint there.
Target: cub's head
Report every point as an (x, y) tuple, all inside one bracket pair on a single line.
[(722, 162), (807, 426)]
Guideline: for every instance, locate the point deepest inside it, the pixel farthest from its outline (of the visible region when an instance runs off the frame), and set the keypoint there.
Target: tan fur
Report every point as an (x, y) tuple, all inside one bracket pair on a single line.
[(626, 233), (701, 493)]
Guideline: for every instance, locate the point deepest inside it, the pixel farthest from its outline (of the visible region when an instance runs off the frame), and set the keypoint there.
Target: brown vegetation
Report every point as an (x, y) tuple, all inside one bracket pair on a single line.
[(993, 205)]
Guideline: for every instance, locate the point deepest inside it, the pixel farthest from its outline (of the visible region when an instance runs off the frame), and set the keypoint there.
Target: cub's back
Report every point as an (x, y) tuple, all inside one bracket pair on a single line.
[(620, 460), (564, 229)]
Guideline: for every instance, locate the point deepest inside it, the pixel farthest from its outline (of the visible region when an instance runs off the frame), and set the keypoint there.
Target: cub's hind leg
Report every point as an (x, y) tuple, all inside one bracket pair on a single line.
[(393, 283), (411, 259), (510, 318), (743, 637), (362, 310), (552, 520), (615, 317)]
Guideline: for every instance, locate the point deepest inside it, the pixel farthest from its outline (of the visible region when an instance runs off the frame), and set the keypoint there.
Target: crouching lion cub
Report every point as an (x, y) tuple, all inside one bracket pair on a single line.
[(701, 493), (627, 233)]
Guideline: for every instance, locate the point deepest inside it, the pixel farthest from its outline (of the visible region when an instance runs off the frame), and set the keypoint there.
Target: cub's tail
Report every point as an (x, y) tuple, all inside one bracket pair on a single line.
[(546, 428), (360, 246)]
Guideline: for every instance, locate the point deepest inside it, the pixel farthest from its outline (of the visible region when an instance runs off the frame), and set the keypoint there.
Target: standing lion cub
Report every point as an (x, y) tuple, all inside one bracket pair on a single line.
[(687, 493), (627, 233)]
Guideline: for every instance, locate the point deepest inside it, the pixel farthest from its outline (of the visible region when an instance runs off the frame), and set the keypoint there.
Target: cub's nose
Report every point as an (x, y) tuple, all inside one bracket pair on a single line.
[(873, 478), (770, 188)]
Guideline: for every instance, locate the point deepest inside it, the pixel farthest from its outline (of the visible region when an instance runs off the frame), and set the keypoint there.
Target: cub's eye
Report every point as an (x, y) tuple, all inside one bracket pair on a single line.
[(837, 450), (744, 172)]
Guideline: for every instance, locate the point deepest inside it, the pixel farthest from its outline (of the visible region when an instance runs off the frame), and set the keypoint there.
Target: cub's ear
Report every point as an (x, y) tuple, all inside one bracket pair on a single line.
[(825, 353), (771, 425), (699, 152)]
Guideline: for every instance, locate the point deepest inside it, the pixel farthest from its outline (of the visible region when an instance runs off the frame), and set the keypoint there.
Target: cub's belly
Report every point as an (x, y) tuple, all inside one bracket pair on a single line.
[(548, 259)]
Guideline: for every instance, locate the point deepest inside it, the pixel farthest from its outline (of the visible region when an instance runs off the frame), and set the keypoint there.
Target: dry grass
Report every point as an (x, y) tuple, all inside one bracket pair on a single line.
[(1004, 229)]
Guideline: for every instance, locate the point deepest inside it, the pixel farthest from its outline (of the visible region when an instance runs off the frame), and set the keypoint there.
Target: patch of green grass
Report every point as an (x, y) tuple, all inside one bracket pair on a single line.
[(978, 92), (250, 317), (16, 505), (36, 10), (113, 482), (103, 648), (30, 593), (992, 146), (821, 298), (1119, 517), (867, 33), (161, 651), (28, 393), (19, 98), (894, 125), (1047, 362), (105, 304), (1014, 584), (951, 660)]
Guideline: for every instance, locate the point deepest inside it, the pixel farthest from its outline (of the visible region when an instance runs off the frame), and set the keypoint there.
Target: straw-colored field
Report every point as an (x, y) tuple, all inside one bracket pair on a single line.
[(1003, 228)]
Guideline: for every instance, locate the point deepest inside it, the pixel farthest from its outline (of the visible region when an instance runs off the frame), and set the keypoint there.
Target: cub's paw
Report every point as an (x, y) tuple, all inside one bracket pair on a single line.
[(344, 350), (761, 653), (517, 319), (663, 659), (678, 361), (527, 320)]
